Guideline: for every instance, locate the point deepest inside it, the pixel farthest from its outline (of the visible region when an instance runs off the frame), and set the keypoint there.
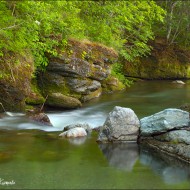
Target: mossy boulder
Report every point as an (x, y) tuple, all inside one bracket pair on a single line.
[(164, 62), (62, 101), (11, 99), (78, 72)]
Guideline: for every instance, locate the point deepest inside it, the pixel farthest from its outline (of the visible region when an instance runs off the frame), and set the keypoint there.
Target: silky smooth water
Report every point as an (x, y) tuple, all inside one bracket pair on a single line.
[(34, 157)]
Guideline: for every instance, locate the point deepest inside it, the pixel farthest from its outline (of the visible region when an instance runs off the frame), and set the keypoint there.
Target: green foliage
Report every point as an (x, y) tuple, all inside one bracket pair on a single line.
[(123, 25), (117, 71), (45, 26), (176, 27)]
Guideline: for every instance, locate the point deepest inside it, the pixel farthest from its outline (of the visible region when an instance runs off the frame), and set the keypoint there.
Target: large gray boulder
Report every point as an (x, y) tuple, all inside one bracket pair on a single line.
[(164, 121), (121, 125)]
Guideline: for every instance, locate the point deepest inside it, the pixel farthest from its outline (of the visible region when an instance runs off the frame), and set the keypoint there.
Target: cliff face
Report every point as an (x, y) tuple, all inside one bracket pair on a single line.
[(164, 62)]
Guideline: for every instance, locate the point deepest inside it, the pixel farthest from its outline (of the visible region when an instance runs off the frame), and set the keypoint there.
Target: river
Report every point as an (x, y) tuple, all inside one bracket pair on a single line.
[(33, 157)]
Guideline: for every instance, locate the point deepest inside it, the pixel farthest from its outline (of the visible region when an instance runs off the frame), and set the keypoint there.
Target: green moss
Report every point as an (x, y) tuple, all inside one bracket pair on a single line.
[(60, 100), (35, 97), (188, 71), (112, 84)]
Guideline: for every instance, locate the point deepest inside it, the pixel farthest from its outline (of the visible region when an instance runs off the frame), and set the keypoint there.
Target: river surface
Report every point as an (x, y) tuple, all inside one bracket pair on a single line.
[(33, 157)]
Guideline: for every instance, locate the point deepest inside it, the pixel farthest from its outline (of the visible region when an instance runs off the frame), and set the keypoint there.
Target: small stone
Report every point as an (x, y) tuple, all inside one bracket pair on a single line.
[(75, 132)]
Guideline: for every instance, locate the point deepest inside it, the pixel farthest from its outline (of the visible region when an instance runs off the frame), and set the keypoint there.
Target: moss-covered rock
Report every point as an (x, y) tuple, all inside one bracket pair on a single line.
[(34, 96), (11, 99), (165, 62), (78, 72), (112, 84), (15, 76), (62, 101)]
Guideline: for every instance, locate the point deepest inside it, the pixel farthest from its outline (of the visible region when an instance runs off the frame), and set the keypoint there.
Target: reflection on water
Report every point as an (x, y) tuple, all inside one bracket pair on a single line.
[(122, 156), (77, 141), (172, 170), (41, 160), (36, 158), (125, 156)]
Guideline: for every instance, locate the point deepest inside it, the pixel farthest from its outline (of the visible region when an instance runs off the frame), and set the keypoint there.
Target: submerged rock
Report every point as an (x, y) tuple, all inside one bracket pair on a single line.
[(163, 121), (121, 125), (75, 132)]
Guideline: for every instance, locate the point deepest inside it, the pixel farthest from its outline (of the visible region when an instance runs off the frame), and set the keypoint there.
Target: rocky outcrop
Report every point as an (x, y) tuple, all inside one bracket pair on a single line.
[(167, 131), (164, 62), (80, 72), (121, 125), (75, 132)]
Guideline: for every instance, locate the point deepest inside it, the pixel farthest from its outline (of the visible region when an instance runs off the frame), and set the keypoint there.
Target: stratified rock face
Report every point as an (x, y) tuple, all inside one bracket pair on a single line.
[(121, 125), (60, 100), (164, 121), (80, 72), (75, 132)]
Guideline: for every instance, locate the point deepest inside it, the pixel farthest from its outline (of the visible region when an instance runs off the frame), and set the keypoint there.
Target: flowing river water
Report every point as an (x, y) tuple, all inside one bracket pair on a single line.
[(33, 157)]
